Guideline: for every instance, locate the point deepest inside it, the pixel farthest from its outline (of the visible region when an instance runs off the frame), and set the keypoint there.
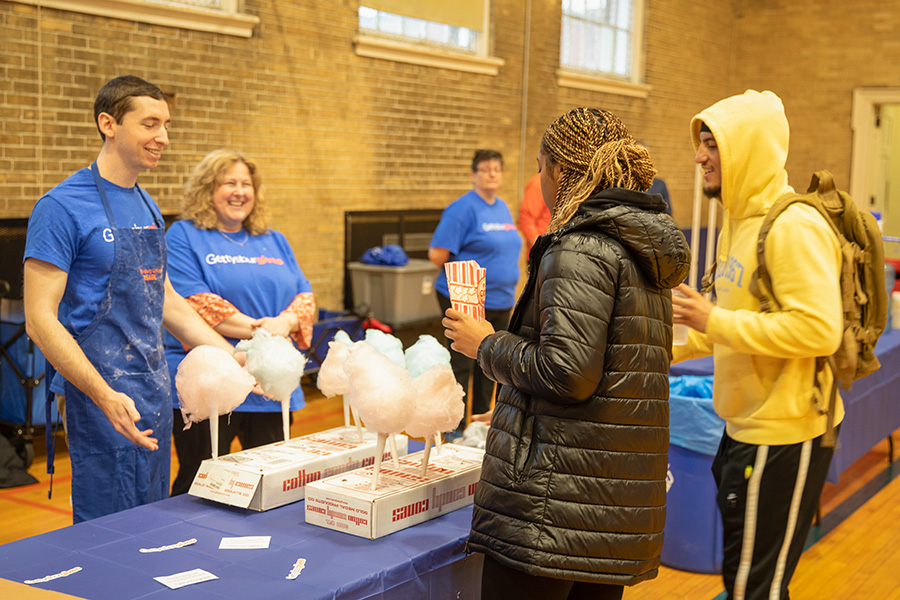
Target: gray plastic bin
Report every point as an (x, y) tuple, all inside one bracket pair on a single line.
[(397, 295)]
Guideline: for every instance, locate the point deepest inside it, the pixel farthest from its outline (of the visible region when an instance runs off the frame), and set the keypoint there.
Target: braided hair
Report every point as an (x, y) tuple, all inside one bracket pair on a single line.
[(596, 152)]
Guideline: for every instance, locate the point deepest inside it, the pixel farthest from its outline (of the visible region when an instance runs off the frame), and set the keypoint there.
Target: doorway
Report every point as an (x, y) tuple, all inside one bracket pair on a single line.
[(875, 168)]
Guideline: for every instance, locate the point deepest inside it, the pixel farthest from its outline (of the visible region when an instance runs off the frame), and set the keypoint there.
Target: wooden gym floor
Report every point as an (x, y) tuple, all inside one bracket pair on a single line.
[(856, 555)]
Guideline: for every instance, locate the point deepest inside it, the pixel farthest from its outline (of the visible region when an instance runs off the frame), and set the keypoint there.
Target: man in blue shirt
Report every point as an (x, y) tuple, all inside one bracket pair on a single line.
[(96, 297)]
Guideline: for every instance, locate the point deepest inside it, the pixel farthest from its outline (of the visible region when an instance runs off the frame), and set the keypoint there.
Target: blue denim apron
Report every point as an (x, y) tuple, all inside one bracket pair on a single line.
[(124, 343)]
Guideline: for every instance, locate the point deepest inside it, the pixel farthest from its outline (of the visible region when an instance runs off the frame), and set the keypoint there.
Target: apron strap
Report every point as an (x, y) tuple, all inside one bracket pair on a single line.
[(49, 373)]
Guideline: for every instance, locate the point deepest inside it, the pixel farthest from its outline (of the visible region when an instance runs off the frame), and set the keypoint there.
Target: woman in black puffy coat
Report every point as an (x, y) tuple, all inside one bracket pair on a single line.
[(572, 496)]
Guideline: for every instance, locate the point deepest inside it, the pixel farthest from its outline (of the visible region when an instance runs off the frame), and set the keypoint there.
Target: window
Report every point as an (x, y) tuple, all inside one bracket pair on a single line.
[(415, 30), (434, 33), (600, 46), (218, 16)]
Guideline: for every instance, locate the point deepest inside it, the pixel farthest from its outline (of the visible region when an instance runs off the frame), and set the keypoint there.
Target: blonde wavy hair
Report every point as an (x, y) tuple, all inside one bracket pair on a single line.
[(595, 152), (208, 175)]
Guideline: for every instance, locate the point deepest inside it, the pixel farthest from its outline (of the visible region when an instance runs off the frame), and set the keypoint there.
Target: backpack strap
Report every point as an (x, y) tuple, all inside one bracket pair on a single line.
[(761, 285), (829, 439)]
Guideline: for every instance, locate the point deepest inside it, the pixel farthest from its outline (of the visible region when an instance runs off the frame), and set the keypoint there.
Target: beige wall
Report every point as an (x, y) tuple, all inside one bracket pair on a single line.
[(813, 53), (334, 131)]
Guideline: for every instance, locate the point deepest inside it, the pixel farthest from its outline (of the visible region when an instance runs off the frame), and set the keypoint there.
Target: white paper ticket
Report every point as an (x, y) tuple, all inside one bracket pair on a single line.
[(247, 542), (179, 580)]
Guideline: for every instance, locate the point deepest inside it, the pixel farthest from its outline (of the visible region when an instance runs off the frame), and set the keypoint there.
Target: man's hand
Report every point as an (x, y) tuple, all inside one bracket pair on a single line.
[(120, 411), (692, 310), (466, 333)]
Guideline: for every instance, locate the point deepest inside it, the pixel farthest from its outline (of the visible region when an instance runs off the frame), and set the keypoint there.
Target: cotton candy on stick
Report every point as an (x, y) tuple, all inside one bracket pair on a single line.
[(277, 365), (332, 379), (425, 353), (387, 344), (438, 407), (209, 383), (383, 394)]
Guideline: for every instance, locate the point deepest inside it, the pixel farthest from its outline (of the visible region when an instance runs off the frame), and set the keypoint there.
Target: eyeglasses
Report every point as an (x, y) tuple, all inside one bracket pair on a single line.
[(492, 170)]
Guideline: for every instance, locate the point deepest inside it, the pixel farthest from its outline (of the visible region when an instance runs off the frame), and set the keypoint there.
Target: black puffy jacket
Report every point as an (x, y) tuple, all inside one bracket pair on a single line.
[(573, 480)]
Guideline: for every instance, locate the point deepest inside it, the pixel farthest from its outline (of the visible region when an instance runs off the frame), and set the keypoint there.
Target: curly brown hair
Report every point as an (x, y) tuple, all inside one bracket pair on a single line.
[(197, 205), (595, 152)]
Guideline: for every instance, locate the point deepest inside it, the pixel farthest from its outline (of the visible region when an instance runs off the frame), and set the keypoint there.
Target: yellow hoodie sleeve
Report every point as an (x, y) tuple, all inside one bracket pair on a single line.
[(698, 346), (804, 261)]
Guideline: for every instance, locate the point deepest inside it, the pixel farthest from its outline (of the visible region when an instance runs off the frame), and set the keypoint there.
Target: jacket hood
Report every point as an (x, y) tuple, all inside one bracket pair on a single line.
[(752, 134), (638, 221)]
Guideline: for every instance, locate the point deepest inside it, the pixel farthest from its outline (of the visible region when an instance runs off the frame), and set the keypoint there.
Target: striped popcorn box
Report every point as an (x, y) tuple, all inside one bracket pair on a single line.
[(466, 281)]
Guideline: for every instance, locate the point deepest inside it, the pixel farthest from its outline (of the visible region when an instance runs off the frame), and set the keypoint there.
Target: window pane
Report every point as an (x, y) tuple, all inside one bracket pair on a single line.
[(389, 23), (596, 35), (575, 8), (605, 48), (599, 11), (414, 28), (623, 14), (623, 54), (368, 18)]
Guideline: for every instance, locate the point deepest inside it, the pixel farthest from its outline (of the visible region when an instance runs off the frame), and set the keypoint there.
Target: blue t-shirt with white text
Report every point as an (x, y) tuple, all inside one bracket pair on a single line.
[(472, 229)]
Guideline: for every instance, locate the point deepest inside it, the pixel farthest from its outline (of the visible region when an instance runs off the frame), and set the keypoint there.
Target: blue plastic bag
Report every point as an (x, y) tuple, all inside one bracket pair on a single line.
[(693, 423), (391, 255)]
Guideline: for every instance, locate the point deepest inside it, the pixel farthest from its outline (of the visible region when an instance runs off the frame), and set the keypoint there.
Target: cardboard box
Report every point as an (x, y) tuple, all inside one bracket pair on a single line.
[(277, 474), (404, 496)]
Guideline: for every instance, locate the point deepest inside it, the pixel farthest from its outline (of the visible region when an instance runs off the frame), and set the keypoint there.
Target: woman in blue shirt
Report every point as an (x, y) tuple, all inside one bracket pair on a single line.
[(239, 275), (479, 226)]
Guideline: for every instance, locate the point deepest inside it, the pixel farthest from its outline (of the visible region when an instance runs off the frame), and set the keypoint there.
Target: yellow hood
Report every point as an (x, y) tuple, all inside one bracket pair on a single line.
[(752, 134)]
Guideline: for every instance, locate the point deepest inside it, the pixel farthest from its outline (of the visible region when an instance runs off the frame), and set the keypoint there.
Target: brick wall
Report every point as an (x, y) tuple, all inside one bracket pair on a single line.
[(813, 53), (334, 131)]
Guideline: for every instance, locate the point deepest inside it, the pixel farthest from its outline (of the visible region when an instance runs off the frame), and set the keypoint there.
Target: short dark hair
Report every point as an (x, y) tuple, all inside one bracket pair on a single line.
[(114, 98), (483, 155)]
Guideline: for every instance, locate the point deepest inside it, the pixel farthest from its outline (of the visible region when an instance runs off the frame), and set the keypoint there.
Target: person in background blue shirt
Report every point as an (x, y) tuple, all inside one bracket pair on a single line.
[(479, 226)]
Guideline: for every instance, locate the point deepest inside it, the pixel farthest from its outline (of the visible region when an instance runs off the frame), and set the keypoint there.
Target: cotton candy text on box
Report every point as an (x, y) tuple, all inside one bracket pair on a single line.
[(303, 477), (437, 502)]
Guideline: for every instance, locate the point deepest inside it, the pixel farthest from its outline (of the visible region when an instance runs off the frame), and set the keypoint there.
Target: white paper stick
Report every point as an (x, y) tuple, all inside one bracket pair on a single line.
[(393, 444), (438, 440), (426, 455), (346, 411), (286, 418), (214, 430), (379, 452), (359, 423)]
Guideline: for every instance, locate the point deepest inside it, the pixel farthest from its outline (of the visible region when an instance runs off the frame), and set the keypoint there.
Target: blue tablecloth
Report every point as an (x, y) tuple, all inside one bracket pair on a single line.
[(872, 409), (425, 561)]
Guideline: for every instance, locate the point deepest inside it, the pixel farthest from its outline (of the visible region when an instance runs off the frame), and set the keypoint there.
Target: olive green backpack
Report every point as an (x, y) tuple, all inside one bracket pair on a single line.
[(863, 294)]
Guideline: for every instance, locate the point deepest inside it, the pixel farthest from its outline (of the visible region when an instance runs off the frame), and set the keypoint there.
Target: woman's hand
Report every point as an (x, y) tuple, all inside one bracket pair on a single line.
[(466, 333), (281, 325)]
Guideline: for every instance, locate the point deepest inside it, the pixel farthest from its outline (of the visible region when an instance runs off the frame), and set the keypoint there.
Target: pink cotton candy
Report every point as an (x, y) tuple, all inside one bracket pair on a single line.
[(438, 406), (381, 390), (332, 380), (210, 380)]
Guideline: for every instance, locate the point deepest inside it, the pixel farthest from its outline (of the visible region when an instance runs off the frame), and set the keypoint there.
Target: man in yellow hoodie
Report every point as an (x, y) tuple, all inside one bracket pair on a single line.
[(771, 466)]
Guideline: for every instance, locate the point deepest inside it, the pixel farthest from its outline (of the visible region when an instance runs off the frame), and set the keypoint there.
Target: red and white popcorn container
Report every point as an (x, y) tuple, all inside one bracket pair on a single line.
[(466, 281)]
